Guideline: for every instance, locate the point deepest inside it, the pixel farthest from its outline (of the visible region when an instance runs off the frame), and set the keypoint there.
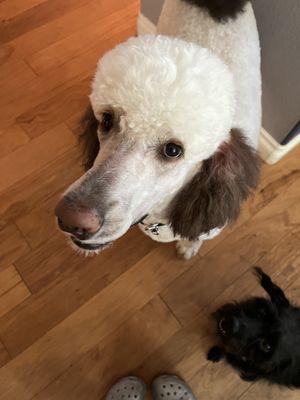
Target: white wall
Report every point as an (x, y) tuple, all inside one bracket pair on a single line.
[(279, 27)]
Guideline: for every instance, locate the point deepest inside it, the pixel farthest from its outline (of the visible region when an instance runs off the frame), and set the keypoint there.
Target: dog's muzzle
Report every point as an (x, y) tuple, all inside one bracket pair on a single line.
[(89, 246), (85, 246), (228, 326)]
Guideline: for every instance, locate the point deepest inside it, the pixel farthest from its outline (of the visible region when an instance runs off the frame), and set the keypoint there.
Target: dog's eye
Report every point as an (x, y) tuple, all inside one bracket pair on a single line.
[(265, 346), (107, 122), (172, 150)]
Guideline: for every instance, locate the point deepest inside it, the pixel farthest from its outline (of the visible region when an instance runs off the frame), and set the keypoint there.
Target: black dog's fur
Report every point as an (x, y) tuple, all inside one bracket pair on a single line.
[(260, 337), (221, 10)]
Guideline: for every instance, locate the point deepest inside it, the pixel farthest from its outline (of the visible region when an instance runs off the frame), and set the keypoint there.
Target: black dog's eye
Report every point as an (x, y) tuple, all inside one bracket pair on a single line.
[(172, 150), (107, 122), (265, 346)]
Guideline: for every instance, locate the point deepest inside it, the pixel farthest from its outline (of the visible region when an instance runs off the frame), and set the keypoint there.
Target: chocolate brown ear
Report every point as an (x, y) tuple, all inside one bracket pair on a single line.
[(213, 197), (89, 138)]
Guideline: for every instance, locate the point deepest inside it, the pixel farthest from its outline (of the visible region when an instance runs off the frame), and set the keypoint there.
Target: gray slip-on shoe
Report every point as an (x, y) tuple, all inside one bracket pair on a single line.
[(127, 388), (170, 387)]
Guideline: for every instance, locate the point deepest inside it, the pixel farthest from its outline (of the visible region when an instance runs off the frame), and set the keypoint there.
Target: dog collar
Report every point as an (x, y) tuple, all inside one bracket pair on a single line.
[(153, 228)]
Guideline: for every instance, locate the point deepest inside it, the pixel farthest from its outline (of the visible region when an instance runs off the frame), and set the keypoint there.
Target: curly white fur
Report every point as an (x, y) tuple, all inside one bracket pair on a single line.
[(236, 42), (169, 88)]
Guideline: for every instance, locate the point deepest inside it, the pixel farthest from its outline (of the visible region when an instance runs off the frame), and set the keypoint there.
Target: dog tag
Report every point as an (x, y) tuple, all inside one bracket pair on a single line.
[(154, 228)]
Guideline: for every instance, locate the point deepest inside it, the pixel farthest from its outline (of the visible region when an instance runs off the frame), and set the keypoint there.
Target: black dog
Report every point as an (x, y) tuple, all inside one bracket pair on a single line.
[(260, 337)]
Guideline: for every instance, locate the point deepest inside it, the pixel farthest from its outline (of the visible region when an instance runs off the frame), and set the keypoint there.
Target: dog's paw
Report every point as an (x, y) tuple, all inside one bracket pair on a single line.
[(215, 354), (259, 273), (186, 249)]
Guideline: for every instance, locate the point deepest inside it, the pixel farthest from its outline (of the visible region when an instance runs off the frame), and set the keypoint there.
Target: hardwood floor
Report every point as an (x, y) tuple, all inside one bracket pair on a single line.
[(70, 326)]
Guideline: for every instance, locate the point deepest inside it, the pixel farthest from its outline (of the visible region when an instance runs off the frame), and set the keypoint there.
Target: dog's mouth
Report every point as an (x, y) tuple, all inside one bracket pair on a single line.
[(97, 247), (89, 246)]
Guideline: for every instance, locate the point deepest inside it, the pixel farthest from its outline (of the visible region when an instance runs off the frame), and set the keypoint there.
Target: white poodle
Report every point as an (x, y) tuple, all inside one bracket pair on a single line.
[(178, 118)]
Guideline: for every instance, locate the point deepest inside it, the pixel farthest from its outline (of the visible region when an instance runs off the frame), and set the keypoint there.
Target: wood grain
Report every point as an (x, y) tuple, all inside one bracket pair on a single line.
[(53, 31), (116, 355), (34, 155), (242, 248), (34, 17), (282, 263), (73, 45), (48, 357), (9, 278), (48, 85), (12, 138), (12, 245), (14, 74), (14, 296), (4, 356), (55, 272), (39, 225), (17, 201), (46, 115), (11, 8)]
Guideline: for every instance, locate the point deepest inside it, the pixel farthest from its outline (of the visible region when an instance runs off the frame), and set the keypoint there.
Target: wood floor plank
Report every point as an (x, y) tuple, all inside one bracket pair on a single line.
[(46, 86), (263, 390), (184, 354), (13, 74), (46, 115), (275, 179), (232, 256), (190, 294), (12, 138), (48, 357), (62, 51), (54, 272), (12, 245), (119, 353), (39, 225), (55, 257), (193, 339), (11, 8), (4, 356), (229, 385), (14, 296), (282, 263), (18, 201), (34, 17), (9, 277), (35, 155), (59, 28)]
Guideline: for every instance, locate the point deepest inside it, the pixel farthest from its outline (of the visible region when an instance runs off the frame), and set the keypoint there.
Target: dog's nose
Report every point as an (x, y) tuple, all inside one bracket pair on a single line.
[(229, 325), (80, 221)]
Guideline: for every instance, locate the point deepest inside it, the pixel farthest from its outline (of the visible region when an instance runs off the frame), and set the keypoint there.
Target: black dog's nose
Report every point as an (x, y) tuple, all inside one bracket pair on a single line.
[(229, 325)]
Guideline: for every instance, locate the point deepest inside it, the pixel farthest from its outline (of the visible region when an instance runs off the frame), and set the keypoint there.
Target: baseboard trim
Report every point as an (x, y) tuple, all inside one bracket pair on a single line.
[(145, 26), (269, 149)]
